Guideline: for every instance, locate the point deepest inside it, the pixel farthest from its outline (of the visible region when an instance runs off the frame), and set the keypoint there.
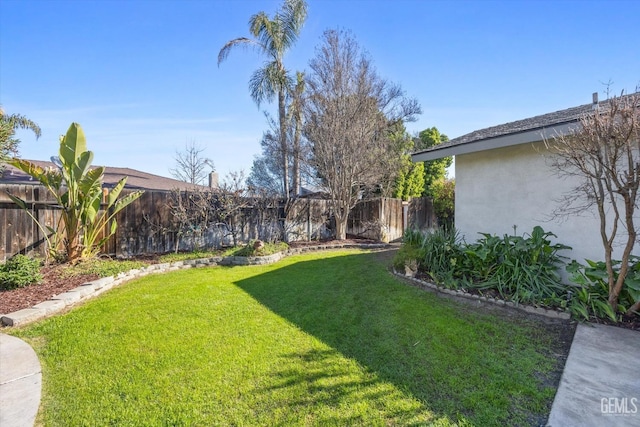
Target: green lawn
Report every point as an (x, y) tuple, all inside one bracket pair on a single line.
[(319, 339)]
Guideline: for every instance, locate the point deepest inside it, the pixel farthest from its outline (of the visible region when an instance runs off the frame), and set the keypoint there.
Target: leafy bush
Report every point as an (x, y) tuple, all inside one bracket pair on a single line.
[(444, 195), (591, 296), (18, 272), (441, 250), (522, 269), (435, 253), (410, 251), (519, 268)]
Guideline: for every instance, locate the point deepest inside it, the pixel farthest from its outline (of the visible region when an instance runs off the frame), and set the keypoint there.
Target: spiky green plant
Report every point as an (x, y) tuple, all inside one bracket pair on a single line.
[(77, 189)]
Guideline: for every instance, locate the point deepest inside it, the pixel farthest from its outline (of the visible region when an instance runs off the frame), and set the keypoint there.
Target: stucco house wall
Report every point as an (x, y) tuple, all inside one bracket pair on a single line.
[(497, 189)]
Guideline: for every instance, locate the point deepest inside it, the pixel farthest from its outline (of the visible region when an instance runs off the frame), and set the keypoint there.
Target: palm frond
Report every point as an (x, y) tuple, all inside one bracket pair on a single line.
[(239, 42), (291, 18), (258, 25), (266, 82), (17, 121)]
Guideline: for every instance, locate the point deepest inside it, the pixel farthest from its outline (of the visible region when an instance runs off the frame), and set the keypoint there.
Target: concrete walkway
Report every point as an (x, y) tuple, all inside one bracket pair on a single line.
[(20, 383), (600, 385)]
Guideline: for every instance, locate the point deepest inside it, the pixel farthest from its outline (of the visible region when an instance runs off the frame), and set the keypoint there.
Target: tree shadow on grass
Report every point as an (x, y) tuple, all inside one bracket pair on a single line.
[(328, 391), (461, 367)]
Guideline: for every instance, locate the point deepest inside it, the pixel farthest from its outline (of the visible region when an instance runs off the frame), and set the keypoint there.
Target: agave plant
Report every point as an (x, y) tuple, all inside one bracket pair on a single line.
[(77, 189)]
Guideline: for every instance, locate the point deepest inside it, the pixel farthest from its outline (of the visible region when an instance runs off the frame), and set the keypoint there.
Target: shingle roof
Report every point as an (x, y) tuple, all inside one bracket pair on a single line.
[(541, 122), (569, 115), (558, 117), (136, 179)]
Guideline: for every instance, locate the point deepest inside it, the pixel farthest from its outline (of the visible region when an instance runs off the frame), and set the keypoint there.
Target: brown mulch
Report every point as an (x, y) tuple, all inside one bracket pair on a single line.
[(52, 284)]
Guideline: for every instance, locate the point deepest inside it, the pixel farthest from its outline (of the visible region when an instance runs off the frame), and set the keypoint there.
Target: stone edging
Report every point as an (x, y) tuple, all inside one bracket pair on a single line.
[(94, 288), (552, 314)]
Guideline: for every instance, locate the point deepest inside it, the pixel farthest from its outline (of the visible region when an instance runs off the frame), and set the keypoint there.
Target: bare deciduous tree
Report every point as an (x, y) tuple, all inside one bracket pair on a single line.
[(191, 166), (603, 154), (349, 111), (231, 200), (192, 214)]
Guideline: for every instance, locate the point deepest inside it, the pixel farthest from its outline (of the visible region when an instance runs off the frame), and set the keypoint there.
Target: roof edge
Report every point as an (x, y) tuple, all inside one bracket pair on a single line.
[(502, 141)]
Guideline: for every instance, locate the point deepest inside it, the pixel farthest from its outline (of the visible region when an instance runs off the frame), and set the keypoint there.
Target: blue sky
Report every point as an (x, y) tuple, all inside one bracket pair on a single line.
[(141, 76)]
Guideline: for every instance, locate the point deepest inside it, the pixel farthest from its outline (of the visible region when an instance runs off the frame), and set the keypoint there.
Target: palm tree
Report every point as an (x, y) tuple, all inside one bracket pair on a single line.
[(9, 123), (273, 37)]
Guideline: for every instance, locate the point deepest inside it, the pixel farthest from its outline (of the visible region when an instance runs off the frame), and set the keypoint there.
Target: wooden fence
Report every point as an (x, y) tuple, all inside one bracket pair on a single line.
[(148, 226)]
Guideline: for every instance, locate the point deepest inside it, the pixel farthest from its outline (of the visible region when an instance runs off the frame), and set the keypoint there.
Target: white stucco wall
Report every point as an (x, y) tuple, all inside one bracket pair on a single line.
[(497, 189)]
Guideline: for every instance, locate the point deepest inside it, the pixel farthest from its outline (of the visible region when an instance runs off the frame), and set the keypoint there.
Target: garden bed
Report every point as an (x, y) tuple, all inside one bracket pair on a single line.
[(55, 282)]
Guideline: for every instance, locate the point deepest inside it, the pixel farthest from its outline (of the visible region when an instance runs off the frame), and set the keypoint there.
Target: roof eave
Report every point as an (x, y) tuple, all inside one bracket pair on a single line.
[(529, 136)]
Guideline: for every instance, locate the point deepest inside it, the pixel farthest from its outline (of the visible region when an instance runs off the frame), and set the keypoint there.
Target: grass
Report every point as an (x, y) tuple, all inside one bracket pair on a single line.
[(101, 267), (182, 256), (244, 250), (318, 339), (249, 250)]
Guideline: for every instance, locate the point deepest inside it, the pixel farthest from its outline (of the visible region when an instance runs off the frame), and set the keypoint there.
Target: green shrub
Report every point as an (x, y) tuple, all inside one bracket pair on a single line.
[(434, 252), (591, 297), (18, 272), (410, 251), (444, 195), (441, 250), (522, 269)]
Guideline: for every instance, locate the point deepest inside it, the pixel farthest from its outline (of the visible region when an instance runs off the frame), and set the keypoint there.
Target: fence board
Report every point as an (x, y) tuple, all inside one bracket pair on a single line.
[(145, 226)]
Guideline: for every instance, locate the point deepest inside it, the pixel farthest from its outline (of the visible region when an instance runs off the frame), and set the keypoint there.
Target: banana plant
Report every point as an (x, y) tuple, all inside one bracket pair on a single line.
[(77, 189)]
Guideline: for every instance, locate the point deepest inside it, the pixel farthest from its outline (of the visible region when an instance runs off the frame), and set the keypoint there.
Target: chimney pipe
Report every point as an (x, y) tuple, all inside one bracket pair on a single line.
[(213, 180)]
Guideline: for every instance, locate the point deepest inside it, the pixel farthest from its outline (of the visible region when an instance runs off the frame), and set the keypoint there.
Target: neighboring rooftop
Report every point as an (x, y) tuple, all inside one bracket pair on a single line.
[(521, 131), (136, 179)]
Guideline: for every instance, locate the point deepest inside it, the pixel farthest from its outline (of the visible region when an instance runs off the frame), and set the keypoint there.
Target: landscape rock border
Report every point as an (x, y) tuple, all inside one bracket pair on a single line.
[(540, 311), (91, 289)]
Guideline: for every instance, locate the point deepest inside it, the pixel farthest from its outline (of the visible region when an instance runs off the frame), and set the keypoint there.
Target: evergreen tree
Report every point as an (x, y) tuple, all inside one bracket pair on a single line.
[(434, 170)]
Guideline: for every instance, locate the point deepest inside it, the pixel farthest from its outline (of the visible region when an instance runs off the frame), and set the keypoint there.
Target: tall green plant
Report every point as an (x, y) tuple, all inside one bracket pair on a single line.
[(523, 269), (78, 192), (590, 298)]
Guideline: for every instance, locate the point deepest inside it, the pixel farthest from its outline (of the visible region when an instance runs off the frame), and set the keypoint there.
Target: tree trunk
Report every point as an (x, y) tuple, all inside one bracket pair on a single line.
[(283, 143), (634, 308), (296, 156), (341, 229), (342, 217)]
